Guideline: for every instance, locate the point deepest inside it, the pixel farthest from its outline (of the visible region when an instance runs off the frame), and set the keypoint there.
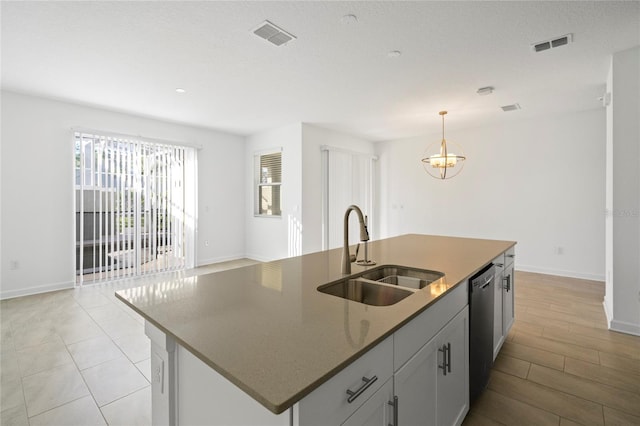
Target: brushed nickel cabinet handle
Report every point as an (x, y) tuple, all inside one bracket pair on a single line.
[(444, 350), (507, 286), (354, 394), (394, 404)]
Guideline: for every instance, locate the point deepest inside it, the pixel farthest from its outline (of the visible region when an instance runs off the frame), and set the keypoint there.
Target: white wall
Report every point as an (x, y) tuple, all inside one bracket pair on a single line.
[(313, 137), (299, 230), (270, 238), (540, 183), (37, 216), (622, 299)]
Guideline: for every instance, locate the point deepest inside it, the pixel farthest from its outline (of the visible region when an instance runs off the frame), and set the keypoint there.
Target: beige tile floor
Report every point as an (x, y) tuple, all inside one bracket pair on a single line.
[(78, 356)]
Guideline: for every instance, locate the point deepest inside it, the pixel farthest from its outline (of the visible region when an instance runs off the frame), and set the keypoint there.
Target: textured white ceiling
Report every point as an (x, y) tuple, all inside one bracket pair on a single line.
[(130, 56)]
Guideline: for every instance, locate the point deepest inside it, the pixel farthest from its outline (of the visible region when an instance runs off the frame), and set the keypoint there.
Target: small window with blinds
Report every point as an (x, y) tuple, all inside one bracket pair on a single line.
[(268, 179)]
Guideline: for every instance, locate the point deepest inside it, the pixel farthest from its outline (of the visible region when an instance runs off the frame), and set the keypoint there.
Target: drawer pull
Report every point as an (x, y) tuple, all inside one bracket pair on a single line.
[(367, 382)]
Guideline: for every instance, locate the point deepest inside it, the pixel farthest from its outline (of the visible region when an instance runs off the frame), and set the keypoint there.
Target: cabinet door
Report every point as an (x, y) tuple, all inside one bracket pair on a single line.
[(453, 387), (498, 337), (376, 411), (508, 312), (415, 385)]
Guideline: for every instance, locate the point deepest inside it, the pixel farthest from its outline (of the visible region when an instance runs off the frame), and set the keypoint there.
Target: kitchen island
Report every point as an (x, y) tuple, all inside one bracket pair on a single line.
[(251, 345)]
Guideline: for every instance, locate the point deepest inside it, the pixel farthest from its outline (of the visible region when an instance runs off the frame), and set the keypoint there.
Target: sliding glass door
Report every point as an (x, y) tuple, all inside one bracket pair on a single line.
[(135, 204)]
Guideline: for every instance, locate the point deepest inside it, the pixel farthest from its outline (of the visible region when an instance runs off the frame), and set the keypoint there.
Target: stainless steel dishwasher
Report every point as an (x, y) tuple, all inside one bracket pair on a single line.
[(481, 287)]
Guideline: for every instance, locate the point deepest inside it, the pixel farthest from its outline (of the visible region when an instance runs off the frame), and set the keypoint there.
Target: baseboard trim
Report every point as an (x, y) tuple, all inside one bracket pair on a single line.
[(624, 327), (569, 274), (11, 294), (261, 258), (205, 262)]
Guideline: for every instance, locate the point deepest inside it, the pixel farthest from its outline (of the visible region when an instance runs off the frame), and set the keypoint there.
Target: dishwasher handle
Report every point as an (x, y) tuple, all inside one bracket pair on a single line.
[(487, 281)]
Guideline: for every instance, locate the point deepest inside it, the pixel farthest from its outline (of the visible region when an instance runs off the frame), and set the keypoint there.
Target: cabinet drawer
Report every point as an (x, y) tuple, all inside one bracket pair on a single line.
[(509, 255), (329, 405), (410, 338)]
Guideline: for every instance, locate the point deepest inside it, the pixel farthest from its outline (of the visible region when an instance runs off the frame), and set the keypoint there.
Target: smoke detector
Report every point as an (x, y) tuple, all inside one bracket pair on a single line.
[(273, 34), (555, 42)]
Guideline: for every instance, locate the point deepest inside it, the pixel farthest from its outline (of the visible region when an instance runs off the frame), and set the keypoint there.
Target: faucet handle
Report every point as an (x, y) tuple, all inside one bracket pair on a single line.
[(353, 257)]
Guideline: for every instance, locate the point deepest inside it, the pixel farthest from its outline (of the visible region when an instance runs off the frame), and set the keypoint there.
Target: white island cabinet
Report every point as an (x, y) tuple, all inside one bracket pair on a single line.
[(430, 381), (508, 285), (503, 306), (260, 345), (433, 386), (388, 384)]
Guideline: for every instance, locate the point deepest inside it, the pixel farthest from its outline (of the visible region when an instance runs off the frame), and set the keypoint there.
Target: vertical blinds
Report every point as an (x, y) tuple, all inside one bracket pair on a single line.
[(348, 180), (131, 213)]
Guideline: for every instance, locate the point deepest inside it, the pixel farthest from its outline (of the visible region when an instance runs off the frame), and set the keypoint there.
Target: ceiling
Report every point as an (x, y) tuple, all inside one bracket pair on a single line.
[(130, 56)]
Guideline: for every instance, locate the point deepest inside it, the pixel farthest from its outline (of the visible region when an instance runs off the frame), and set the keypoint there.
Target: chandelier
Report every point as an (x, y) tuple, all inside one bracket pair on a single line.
[(439, 162)]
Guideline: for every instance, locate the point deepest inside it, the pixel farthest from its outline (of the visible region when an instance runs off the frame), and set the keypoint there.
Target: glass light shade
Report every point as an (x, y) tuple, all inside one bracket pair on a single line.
[(440, 161), (443, 164)]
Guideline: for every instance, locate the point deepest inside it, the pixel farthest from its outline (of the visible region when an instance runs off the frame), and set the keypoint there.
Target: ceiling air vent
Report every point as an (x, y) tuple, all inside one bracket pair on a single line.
[(273, 34), (513, 107), (556, 42)]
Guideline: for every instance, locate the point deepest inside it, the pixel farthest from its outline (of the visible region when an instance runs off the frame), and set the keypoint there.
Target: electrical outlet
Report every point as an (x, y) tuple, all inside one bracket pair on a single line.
[(14, 265), (206, 243), (158, 372), (558, 250)]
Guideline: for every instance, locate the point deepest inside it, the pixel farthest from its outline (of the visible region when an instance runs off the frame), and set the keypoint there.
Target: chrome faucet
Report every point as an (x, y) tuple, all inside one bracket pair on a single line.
[(347, 257)]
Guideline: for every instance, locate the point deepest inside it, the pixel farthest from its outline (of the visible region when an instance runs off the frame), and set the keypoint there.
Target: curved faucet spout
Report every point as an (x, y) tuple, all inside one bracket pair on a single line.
[(364, 236)]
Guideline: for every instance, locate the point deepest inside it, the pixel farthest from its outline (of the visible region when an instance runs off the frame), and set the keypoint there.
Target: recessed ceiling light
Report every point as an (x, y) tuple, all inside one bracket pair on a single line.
[(180, 90), (349, 19), (394, 53)]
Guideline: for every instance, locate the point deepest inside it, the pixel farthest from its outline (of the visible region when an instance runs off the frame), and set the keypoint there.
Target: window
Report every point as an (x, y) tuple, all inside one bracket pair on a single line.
[(268, 179)]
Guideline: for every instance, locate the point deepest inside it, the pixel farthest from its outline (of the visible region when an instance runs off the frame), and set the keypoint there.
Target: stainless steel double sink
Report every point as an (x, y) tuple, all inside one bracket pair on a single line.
[(381, 286)]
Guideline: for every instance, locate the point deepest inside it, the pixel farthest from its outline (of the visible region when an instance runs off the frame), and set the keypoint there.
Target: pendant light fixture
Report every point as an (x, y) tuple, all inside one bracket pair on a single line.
[(439, 162)]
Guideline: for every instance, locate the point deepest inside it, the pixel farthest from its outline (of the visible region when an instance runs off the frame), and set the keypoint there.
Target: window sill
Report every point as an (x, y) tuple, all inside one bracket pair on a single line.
[(268, 216)]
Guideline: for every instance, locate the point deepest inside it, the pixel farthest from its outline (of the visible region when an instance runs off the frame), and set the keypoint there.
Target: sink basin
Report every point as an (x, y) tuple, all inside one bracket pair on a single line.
[(364, 291), (402, 276)]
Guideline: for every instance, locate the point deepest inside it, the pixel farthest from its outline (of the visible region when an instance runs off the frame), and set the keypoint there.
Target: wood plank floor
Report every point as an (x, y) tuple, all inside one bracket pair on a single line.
[(560, 365)]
